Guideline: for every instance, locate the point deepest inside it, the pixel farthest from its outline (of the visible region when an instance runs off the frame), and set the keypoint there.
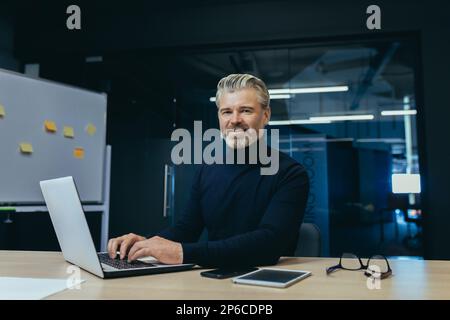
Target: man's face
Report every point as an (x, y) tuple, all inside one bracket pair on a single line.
[(241, 116)]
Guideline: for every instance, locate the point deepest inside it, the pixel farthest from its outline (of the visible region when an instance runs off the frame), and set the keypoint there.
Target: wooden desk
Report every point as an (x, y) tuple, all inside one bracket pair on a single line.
[(411, 280)]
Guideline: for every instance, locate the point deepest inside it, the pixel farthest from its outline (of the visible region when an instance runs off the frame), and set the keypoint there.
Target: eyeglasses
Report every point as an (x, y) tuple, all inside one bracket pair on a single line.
[(377, 265)]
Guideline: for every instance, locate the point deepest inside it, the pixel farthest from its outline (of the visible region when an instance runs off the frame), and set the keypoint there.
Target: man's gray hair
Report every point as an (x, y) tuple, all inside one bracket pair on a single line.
[(239, 81)]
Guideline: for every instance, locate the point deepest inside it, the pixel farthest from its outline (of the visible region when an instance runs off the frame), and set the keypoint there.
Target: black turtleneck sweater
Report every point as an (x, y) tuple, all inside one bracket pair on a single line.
[(251, 219)]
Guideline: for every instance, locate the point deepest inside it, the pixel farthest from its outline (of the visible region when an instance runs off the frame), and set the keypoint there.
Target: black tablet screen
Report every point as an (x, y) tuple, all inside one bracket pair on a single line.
[(282, 276)]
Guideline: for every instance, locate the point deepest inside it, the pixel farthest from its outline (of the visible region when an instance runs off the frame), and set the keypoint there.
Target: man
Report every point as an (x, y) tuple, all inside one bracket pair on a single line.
[(251, 219)]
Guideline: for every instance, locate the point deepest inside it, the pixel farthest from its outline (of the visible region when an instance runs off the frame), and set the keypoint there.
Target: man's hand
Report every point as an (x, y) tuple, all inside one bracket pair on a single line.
[(163, 250), (124, 243)]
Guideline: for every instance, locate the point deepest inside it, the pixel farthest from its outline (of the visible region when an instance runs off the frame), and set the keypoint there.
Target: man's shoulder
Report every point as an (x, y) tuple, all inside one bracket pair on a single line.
[(286, 161), (289, 167)]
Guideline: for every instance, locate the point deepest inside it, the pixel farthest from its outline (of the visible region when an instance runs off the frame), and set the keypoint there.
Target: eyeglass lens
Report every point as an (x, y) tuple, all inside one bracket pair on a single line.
[(350, 261), (377, 264)]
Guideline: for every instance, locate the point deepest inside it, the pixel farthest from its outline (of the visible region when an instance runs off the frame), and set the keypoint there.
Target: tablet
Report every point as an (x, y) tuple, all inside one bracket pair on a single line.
[(280, 278)]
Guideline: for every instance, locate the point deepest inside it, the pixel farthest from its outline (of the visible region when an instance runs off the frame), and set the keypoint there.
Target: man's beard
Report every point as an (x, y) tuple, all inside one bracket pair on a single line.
[(239, 137)]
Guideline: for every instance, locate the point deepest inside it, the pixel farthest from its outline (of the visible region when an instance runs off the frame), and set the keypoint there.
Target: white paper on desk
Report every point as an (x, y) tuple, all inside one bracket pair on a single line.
[(32, 288)]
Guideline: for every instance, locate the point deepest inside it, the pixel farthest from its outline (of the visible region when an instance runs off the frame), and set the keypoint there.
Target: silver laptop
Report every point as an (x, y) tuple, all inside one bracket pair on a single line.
[(74, 237)]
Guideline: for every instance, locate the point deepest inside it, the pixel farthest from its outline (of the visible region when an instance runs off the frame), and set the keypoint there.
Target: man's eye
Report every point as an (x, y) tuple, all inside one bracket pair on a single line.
[(226, 112), (247, 111)]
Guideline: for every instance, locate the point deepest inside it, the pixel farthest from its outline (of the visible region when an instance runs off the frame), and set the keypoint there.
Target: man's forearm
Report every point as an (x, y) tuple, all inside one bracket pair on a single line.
[(259, 247)]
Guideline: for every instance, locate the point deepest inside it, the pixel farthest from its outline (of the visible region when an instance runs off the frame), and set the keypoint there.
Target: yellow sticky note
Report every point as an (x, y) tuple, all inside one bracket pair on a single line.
[(90, 129), (50, 126), (68, 132), (2, 111), (26, 147), (78, 153)]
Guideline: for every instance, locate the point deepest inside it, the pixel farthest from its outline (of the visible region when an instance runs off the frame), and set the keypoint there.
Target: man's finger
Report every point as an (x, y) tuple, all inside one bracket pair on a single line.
[(123, 248), (110, 248), (137, 246), (115, 244), (142, 252)]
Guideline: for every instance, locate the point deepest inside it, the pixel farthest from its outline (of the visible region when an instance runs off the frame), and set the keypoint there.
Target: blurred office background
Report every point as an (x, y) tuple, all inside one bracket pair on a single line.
[(373, 141)]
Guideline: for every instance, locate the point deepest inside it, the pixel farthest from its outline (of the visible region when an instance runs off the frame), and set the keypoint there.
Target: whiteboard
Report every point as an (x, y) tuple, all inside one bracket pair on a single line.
[(27, 104)]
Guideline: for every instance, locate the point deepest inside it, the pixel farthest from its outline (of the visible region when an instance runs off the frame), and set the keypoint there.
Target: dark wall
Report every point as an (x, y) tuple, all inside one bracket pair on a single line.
[(110, 28), (7, 60)]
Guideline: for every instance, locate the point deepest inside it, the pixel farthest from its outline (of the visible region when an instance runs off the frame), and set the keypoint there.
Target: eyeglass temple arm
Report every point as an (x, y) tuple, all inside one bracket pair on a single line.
[(333, 268), (383, 275)]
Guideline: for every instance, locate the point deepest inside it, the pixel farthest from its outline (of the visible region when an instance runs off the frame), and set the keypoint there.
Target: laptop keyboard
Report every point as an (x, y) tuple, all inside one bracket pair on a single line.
[(122, 264)]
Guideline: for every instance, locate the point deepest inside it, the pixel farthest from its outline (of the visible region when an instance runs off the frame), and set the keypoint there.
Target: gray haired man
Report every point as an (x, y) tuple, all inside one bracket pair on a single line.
[(251, 219)]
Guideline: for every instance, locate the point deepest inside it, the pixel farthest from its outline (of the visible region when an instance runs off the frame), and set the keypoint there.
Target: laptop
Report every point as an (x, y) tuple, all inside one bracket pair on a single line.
[(68, 219)]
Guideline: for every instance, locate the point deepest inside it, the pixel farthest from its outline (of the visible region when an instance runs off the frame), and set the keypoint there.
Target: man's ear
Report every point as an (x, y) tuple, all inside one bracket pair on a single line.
[(267, 114)]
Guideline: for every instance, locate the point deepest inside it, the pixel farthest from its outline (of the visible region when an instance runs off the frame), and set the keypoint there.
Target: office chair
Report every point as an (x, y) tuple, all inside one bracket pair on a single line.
[(309, 241)]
